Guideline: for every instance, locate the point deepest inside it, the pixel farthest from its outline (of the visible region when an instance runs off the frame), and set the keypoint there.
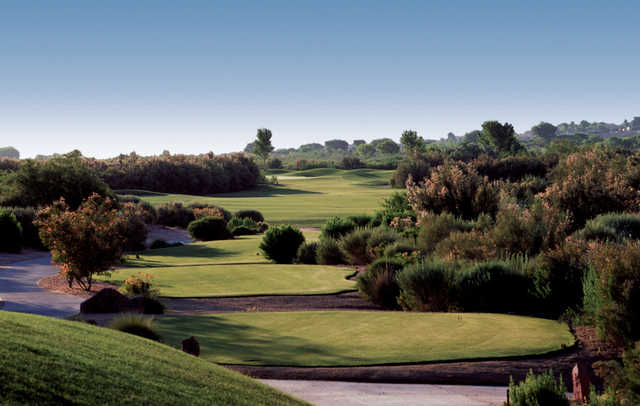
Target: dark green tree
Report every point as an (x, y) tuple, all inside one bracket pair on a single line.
[(262, 145), (411, 142), (499, 137), (337, 145), (365, 150), (544, 130), (388, 147)]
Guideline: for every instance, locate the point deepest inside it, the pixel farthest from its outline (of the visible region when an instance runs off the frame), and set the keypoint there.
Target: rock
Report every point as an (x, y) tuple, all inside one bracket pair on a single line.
[(581, 375), (191, 346), (108, 300)]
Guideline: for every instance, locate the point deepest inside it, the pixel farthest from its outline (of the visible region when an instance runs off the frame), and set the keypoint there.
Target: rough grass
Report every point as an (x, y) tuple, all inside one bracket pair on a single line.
[(364, 338), (230, 268), (306, 198), (51, 361)]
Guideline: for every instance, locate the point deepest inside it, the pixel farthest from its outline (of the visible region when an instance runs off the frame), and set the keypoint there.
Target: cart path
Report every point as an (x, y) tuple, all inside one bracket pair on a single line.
[(20, 292)]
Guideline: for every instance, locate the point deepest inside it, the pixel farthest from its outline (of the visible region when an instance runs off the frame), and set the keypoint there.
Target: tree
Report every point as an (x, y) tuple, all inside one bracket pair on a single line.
[(544, 130), (9, 152), (313, 147), (365, 150), (388, 147), (635, 123), (500, 137), (250, 148), (356, 143), (262, 145), (87, 241), (337, 145), (411, 142)]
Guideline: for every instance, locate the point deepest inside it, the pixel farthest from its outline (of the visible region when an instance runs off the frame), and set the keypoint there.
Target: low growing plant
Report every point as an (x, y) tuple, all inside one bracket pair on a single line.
[(280, 244), (307, 253), (378, 283), (208, 229), (135, 324), (538, 390), (427, 286)]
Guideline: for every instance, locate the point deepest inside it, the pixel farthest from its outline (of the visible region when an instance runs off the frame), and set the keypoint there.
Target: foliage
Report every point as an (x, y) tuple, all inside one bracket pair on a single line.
[(9, 152), (378, 283), (417, 169), (379, 239), (87, 241), (201, 212), (329, 252), (394, 206), (275, 163), (354, 245), (337, 145), (427, 286), (494, 287), (499, 137), (175, 214), (262, 145), (538, 390), (135, 324), (10, 232), (336, 227), (254, 215), (26, 216), (456, 188), (411, 142), (436, 227), (349, 162), (472, 246), (615, 227), (208, 229), (387, 146), (307, 253), (139, 284), (544, 130), (39, 183), (360, 220), (622, 380), (280, 244)]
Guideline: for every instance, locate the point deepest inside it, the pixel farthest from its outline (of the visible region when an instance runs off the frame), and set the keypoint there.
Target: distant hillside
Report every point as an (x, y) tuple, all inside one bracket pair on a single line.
[(9, 152)]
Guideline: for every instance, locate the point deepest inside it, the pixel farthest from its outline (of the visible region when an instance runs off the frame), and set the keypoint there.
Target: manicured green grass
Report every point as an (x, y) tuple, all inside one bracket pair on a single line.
[(231, 268), (364, 338), (50, 361), (306, 198)]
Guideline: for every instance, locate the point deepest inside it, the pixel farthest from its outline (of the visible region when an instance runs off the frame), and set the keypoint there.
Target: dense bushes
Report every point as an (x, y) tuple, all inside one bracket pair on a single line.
[(186, 174), (26, 216), (614, 227), (208, 229), (378, 283), (329, 252), (427, 286), (436, 227), (538, 390), (280, 244), (175, 214), (354, 246), (254, 215), (39, 183), (10, 232), (336, 227), (135, 324), (307, 253)]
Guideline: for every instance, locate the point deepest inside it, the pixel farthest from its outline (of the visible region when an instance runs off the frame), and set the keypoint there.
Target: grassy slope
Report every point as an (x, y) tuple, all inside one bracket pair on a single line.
[(364, 338), (231, 268), (51, 361), (306, 198)]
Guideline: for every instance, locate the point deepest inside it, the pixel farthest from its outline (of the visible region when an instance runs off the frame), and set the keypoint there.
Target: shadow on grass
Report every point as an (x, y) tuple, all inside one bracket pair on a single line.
[(247, 344), (147, 259), (267, 191)]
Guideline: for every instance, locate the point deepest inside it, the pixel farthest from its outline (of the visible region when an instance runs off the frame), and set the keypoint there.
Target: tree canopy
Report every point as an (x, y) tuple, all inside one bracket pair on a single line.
[(500, 137), (262, 145)]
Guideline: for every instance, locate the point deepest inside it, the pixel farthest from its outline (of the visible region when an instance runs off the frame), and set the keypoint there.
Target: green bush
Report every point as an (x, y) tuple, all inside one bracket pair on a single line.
[(30, 233), (262, 227), (147, 211), (402, 247), (436, 227), (611, 227), (380, 238), (254, 215), (378, 283), (426, 286), (242, 226), (135, 324), (538, 390), (242, 230), (329, 252), (226, 214), (280, 244), (360, 220), (209, 228), (336, 227), (494, 287), (175, 214), (10, 232), (134, 230), (307, 253), (354, 245)]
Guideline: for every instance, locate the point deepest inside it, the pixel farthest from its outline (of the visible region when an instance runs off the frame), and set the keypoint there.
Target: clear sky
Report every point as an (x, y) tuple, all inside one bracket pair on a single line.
[(109, 77)]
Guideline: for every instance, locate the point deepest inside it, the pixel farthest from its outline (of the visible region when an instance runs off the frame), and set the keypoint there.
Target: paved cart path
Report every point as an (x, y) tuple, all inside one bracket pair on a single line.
[(20, 292)]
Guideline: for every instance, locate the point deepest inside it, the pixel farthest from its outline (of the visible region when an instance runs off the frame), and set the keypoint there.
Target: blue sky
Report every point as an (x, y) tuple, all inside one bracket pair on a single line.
[(109, 77)]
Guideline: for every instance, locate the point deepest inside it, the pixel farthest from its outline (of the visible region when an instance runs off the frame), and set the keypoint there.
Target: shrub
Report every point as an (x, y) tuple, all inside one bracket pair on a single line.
[(378, 283), (354, 246), (456, 188), (329, 252), (274, 163), (175, 214), (280, 244), (242, 230), (87, 241), (471, 246), (30, 233), (417, 169), (380, 238), (307, 253), (360, 220), (205, 209), (135, 324), (138, 285), (254, 215), (538, 390), (10, 232), (493, 287), (559, 276), (134, 228), (614, 227), (199, 213), (208, 229), (247, 225), (350, 162), (436, 227), (618, 288), (426, 286), (147, 212), (336, 227)]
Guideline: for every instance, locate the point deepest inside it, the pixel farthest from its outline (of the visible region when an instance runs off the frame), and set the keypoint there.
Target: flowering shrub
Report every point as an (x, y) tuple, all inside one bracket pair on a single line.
[(199, 213), (137, 285), (84, 242)]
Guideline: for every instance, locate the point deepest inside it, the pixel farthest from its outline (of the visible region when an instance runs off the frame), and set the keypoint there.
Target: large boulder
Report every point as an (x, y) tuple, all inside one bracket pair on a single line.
[(108, 300)]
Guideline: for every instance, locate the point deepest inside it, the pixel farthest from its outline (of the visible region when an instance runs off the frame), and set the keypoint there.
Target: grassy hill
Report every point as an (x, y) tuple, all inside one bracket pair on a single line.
[(50, 361), (303, 198), (334, 338)]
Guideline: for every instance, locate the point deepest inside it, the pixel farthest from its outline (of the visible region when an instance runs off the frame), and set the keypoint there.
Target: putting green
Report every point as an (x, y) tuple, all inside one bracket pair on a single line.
[(363, 338), (306, 198)]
